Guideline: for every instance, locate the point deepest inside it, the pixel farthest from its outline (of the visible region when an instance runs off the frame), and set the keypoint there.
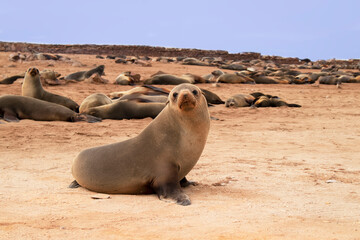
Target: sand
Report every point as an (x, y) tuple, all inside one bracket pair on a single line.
[(268, 173)]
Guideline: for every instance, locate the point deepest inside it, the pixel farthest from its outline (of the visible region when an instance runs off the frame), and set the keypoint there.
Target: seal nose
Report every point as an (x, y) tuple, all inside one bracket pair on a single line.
[(32, 71)]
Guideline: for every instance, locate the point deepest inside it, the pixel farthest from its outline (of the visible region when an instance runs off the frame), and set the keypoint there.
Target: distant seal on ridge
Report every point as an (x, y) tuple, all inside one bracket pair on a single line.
[(158, 159), (82, 75), (32, 88)]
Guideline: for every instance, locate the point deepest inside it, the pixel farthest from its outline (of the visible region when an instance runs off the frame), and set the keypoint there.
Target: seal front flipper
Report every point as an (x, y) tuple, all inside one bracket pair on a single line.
[(10, 116), (74, 184), (185, 183), (168, 188)]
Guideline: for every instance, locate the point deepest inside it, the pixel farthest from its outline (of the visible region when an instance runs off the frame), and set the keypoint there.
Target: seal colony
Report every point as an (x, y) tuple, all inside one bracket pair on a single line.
[(155, 161)]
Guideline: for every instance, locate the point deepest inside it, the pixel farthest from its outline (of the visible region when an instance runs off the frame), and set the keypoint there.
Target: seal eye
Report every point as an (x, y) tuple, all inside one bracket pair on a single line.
[(175, 94), (195, 92)]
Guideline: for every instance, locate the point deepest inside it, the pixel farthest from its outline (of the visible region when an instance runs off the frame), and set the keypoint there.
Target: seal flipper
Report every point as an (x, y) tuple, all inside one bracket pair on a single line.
[(185, 183), (74, 184), (85, 117), (10, 116), (168, 188)]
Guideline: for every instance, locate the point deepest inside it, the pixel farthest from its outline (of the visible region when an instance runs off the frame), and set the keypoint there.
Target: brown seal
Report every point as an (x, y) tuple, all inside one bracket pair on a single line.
[(126, 109), (32, 88), (13, 108), (125, 78), (166, 79), (158, 159), (234, 78), (82, 75), (240, 100), (94, 100), (272, 101)]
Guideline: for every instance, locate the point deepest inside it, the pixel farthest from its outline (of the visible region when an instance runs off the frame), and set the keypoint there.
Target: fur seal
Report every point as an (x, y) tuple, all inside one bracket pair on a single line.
[(240, 100), (82, 75), (193, 78), (265, 101), (166, 79), (158, 159), (262, 79), (126, 78), (126, 109), (94, 100), (13, 108), (329, 80), (32, 88), (234, 78)]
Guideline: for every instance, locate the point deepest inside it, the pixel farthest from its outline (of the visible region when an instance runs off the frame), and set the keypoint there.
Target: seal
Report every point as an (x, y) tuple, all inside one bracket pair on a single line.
[(82, 75), (166, 79), (94, 100), (32, 88), (158, 159), (127, 109), (234, 78), (265, 101), (13, 108), (126, 78), (240, 100)]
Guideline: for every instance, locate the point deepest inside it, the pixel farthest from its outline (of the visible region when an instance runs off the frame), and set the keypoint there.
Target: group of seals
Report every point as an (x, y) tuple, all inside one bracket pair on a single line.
[(257, 99), (158, 159), (32, 88)]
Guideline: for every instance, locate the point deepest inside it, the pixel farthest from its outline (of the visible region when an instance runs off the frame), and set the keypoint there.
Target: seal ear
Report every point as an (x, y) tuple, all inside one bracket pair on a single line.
[(167, 102)]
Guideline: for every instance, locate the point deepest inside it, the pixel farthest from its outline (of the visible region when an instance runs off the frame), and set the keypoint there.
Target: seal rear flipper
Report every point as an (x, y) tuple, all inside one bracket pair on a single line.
[(74, 184), (10, 116), (293, 105), (86, 117)]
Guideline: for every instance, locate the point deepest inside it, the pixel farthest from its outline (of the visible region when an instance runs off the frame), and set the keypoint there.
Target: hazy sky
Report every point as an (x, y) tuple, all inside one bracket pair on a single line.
[(316, 29)]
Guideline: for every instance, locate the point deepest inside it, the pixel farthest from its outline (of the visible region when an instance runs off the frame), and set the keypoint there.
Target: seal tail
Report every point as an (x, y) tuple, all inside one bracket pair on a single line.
[(74, 184)]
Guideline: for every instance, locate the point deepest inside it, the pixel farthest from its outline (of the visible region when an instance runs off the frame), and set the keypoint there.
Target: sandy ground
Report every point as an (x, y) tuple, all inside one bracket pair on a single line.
[(263, 173)]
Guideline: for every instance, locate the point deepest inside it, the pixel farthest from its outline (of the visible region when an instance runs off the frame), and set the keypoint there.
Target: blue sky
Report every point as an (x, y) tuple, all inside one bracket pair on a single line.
[(316, 29)]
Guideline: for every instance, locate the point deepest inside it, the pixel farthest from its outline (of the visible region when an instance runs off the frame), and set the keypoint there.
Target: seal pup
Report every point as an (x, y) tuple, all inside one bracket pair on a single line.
[(13, 108), (82, 75), (240, 100), (125, 78), (94, 100), (158, 159), (32, 88)]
